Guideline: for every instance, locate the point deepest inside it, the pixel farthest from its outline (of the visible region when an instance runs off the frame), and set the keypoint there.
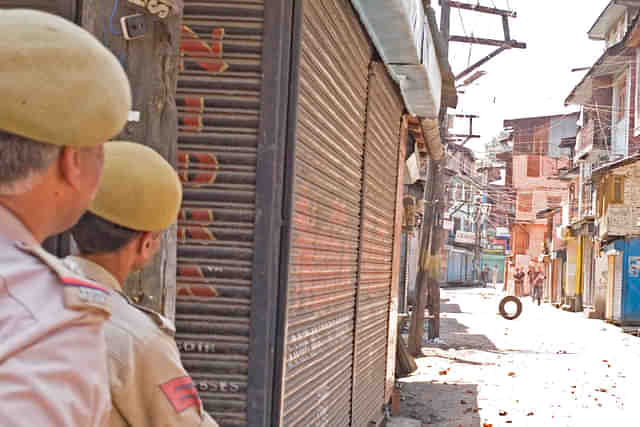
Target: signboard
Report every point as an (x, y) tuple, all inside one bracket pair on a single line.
[(634, 266), (502, 232), (447, 225), (465, 237)]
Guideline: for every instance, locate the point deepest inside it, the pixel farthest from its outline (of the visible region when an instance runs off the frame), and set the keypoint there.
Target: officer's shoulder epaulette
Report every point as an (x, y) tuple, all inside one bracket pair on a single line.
[(79, 293), (163, 323)]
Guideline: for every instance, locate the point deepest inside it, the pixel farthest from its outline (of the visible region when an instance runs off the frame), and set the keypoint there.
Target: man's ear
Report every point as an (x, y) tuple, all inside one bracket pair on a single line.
[(145, 243), (69, 164)]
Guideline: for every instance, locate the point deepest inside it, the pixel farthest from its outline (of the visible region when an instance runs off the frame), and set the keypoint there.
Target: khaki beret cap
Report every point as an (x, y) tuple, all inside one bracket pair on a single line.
[(139, 189), (58, 84)]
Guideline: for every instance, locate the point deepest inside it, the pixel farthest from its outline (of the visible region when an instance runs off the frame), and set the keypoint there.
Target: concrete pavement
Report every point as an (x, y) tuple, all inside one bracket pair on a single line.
[(546, 368)]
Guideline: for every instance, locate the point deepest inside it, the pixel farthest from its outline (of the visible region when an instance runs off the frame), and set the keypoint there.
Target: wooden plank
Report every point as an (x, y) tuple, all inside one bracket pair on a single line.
[(483, 9), (488, 42), (152, 65)]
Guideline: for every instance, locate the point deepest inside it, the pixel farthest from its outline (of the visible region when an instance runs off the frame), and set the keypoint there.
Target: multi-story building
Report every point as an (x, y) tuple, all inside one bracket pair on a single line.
[(463, 216), (538, 153), (609, 138)]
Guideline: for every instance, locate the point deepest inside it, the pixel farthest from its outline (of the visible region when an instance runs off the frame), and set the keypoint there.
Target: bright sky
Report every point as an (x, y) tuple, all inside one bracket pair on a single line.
[(523, 83)]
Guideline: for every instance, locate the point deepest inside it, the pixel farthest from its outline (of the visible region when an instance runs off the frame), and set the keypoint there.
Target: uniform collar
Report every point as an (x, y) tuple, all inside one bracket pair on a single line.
[(96, 272), (14, 229)]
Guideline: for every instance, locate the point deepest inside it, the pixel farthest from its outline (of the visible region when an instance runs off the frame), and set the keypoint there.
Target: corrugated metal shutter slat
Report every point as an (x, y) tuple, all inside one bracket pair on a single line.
[(384, 112), (218, 101)]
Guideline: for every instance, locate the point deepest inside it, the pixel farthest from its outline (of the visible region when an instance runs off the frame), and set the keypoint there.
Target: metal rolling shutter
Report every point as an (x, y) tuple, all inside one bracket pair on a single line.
[(218, 100), (334, 59), (384, 115)]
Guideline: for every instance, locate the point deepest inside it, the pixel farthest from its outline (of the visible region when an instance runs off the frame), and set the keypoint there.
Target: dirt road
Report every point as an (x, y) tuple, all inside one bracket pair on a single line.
[(546, 368)]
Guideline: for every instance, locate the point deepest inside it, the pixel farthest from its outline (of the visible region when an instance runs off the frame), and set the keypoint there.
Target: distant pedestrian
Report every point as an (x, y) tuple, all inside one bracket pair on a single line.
[(531, 274), (485, 275), (538, 281), (494, 274), (518, 278)]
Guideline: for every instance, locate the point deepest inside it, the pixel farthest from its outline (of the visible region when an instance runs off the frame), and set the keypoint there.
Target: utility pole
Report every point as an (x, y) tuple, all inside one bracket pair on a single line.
[(502, 45), (427, 283)]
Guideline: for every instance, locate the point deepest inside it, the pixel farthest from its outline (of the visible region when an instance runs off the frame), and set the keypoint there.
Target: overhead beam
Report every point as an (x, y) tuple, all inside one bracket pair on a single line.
[(483, 9), (481, 62), (462, 136), (465, 141), (489, 42)]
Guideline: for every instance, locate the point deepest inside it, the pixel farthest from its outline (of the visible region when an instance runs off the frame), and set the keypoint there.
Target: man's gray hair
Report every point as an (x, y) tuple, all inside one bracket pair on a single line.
[(22, 160)]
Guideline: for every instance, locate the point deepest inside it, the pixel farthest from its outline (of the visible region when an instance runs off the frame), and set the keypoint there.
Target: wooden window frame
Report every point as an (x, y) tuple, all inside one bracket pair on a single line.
[(531, 160), (522, 204), (621, 97), (551, 198), (616, 190)]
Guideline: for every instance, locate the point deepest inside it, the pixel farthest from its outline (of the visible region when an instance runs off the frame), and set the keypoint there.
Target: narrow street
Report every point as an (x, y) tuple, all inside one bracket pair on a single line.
[(546, 368)]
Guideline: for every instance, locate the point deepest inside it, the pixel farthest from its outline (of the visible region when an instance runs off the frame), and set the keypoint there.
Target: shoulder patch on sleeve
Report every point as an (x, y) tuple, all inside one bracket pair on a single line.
[(181, 393), (79, 293), (165, 324)]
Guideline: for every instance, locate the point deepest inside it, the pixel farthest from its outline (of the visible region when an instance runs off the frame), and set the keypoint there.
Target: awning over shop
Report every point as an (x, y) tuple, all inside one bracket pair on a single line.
[(609, 16), (407, 37), (545, 213), (458, 250)]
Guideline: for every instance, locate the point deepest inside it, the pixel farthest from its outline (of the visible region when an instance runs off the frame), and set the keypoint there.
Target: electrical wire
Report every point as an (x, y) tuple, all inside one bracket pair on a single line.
[(113, 14)]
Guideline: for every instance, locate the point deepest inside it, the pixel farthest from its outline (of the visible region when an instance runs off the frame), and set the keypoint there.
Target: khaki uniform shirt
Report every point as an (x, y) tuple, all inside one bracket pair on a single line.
[(53, 368), (149, 385)]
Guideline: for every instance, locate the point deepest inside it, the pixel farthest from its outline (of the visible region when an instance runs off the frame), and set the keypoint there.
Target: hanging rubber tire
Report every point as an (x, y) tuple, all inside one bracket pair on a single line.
[(503, 307)]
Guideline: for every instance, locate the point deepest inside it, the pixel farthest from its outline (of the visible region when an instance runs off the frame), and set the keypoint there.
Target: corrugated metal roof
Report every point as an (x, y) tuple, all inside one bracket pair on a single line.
[(608, 63), (608, 17)]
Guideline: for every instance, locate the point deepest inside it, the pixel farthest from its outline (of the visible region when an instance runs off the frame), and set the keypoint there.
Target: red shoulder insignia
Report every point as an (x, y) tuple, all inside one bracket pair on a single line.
[(75, 281), (181, 393)]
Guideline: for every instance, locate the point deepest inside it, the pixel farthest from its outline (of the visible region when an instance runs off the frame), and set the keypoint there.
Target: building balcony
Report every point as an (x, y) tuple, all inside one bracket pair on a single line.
[(590, 138)]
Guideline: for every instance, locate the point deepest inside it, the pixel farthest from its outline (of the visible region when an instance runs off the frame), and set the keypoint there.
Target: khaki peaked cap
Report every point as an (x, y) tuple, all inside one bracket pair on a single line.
[(139, 189), (58, 84)]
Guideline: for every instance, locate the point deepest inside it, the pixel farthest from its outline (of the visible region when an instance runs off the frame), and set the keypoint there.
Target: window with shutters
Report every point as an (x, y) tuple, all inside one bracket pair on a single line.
[(522, 242), (525, 202), (553, 201), (533, 166), (540, 141), (602, 201), (616, 190), (458, 192)]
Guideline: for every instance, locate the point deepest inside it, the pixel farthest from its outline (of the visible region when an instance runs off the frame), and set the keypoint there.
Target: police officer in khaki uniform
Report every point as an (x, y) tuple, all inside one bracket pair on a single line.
[(138, 199), (62, 95)]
